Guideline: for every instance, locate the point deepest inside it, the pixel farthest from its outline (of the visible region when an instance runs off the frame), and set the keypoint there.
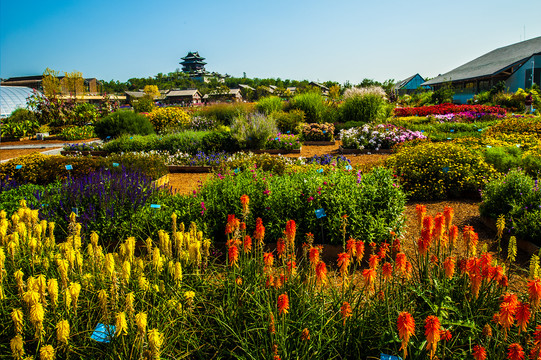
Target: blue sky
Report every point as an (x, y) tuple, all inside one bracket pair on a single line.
[(313, 40)]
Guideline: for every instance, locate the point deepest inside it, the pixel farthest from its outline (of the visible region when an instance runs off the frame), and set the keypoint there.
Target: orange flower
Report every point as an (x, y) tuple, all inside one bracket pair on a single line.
[(534, 291), (523, 316), (369, 277), (515, 352), (448, 214), (244, 200), (305, 336), (314, 256), (383, 249), (453, 234), (259, 233), (396, 245), (506, 316), (272, 328), (321, 272), (233, 255), (406, 328), (449, 266), (400, 263), (283, 304), (359, 250), (343, 263), (280, 247), (432, 333), (439, 226), (475, 280), (268, 259), (409, 270), (479, 352), (291, 229), (350, 247), (446, 335), (387, 271), (470, 238), (247, 245), (270, 281), (421, 213), (428, 229), (346, 311), (373, 261), (423, 245), (291, 266)]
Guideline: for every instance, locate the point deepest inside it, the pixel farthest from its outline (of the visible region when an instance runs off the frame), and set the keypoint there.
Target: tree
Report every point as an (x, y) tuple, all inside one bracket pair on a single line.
[(74, 83), (151, 91), (334, 92), (51, 83)]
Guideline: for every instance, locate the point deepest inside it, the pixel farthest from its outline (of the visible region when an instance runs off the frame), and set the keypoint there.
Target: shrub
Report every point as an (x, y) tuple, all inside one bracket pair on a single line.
[(167, 118), (71, 133), (372, 203), (364, 108), (288, 122), (19, 124), (219, 141), (433, 171), (269, 104), (252, 131), (503, 158), (187, 141), (312, 105), (318, 132), (519, 124), (225, 113), (83, 114), (362, 91), (123, 122), (21, 115), (143, 105), (283, 142)]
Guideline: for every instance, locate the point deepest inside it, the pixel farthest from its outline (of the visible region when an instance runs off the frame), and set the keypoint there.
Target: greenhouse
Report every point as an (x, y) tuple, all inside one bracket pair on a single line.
[(12, 98)]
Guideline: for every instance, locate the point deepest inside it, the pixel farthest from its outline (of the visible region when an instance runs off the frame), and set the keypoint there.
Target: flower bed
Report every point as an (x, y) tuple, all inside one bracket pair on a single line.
[(318, 132), (376, 137), (285, 142), (444, 109)]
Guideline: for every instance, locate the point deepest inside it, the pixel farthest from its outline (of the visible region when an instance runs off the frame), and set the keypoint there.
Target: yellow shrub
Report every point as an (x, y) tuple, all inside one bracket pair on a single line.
[(169, 117)]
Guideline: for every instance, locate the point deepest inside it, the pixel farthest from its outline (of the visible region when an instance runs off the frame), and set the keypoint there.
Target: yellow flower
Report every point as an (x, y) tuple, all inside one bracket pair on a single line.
[(143, 283), (75, 289), (126, 271), (18, 275), (130, 298), (18, 320), (102, 298), (189, 295), (31, 297), (63, 331), (155, 340), (17, 347), (512, 249), (52, 288), (121, 324), (46, 352), (37, 315), (141, 322), (178, 272), (110, 264)]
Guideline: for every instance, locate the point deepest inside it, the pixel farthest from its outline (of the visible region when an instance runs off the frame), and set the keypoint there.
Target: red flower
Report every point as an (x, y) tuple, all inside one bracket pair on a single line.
[(233, 252), (369, 277), (523, 316), (350, 247), (373, 261), (268, 259), (259, 233), (515, 352), (321, 272), (359, 250), (432, 333), (283, 304), (247, 245), (387, 271), (449, 266), (534, 290), (400, 262), (479, 352), (346, 311), (313, 254), (280, 247), (343, 263), (406, 328)]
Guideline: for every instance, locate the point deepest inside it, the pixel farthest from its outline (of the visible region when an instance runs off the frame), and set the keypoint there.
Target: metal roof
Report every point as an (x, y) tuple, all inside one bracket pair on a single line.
[(404, 82), (12, 98), (492, 63), (191, 92)]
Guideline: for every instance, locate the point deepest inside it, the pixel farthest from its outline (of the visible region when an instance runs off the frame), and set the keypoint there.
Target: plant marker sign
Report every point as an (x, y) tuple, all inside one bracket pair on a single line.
[(75, 211), (69, 167), (115, 164), (383, 356), (320, 213), (18, 167), (446, 169), (103, 333), (348, 167), (155, 206)]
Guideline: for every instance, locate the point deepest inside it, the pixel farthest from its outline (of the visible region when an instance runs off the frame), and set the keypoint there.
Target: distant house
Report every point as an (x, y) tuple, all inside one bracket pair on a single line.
[(410, 85), (35, 81), (518, 65), (184, 97), (323, 88), (233, 95)]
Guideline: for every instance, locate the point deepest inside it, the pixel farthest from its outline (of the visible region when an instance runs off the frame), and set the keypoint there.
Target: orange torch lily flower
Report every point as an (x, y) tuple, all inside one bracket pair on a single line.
[(283, 304), (346, 311), (523, 316), (406, 328), (387, 271), (359, 250), (515, 352), (343, 263), (233, 252), (449, 267), (479, 352), (321, 273), (432, 333), (534, 292)]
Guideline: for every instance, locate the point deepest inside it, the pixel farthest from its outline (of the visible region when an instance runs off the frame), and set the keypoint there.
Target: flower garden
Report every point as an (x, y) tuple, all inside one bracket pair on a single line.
[(275, 257)]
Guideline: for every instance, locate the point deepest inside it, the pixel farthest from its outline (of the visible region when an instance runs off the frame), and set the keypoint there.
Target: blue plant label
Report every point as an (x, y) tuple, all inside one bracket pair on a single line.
[(277, 138), (452, 130), (69, 167), (422, 131), (236, 171), (324, 131), (288, 131), (131, 137), (115, 164), (155, 206), (18, 167), (348, 167), (449, 139), (75, 211), (488, 146), (320, 171), (320, 213), (103, 333), (479, 130), (446, 169), (383, 356), (108, 137)]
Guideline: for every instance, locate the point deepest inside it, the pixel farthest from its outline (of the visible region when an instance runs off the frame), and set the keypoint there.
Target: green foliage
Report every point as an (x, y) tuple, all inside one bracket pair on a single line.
[(504, 158), (123, 122), (269, 104), (10, 197), (373, 206), (71, 133), (19, 124), (83, 114), (518, 198), (443, 95), (225, 113), (318, 132), (312, 105), (144, 104), (216, 141), (363, 109), (252, 131), (431, 171), (289, 121)]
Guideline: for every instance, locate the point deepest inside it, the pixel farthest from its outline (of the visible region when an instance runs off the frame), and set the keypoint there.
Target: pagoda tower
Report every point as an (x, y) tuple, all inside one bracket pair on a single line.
[(193, 63)]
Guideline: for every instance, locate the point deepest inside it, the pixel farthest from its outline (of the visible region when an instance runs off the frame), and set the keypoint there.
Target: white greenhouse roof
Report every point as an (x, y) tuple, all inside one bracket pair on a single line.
[(12, 98)]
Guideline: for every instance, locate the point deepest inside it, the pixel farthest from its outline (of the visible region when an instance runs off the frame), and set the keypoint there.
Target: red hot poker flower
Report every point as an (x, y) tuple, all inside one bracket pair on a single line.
[(233, 253), (479, 353), (283, 304), (522, 316), (534, 292), (406, 328), (346, 311), (515, 352), (432, 333)]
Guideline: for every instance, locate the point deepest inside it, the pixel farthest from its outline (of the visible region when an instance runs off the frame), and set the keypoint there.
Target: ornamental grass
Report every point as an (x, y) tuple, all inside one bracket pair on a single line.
[(437, 295)]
